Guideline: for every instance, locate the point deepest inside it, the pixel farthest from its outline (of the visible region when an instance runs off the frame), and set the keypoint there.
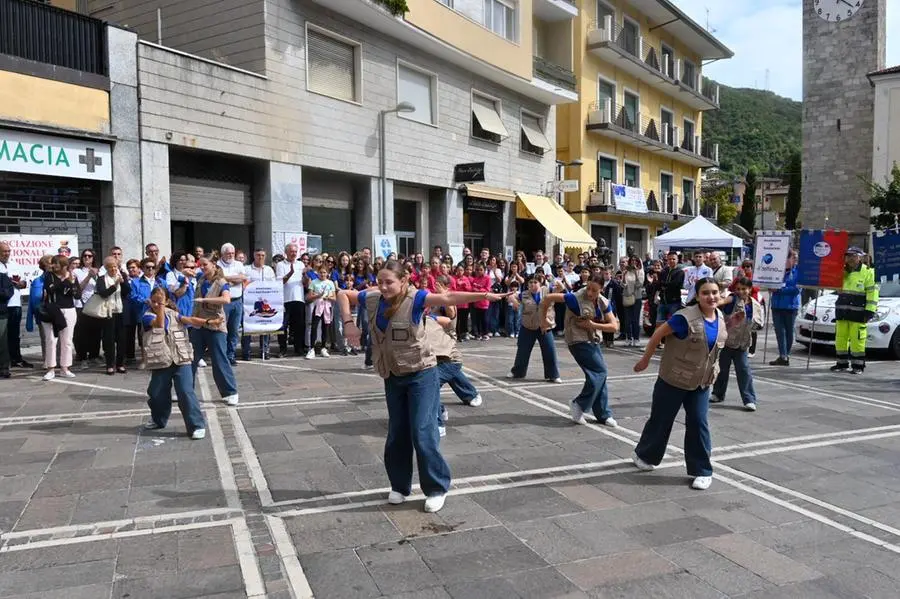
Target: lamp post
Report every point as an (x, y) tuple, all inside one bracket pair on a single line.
[(401, 107), (560, 166)]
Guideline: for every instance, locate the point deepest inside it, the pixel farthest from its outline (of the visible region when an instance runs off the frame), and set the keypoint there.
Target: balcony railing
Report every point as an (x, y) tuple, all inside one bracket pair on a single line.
[(709, 210), (688, 76), (554, 73), (43, 33), (661, 204), (688, 207), (607, 112)]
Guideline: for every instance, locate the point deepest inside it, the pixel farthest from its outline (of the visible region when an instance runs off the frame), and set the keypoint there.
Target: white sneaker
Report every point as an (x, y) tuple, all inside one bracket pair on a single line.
[(557, 380), (311, 354), (751, 355), (445, 415), (231, 400), (435, 503), (442, 431), (68, 374), (50, 376), (395, 498), (201, 363), (151, 426), (701, 483), (198, 434), (577, 413), (510, 375), (610, 422), (324, 353), (750, 407), (476, 401), (637, 345), (713, 398), (368, 366), (641, 464)]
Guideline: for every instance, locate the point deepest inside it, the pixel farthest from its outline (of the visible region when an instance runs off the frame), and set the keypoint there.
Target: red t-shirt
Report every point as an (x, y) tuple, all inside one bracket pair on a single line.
[(482, 283), (462, 283)]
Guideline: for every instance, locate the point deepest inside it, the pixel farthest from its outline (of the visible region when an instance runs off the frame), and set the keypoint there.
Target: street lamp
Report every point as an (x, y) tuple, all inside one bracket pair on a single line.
[(401, 107), (560, 165)]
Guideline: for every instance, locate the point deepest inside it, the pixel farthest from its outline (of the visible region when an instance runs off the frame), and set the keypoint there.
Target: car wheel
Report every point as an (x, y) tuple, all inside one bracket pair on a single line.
[(895, 344)]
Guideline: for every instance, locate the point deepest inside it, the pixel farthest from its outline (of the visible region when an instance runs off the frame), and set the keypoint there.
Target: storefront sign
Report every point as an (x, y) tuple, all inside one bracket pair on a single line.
[(887, 255), (27, 250), (38, 154), (280, 239), (467, 173), (385, 245), (629, 199), (263, 307), (483, 205), (770, 259)]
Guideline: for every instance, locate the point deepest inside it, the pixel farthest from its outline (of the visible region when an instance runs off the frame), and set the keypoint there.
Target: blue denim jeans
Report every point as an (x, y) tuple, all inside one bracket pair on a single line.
[(632, 323), (594, 396), (413, 403), (223, 374), (160, 397), (247, 344), (513, 320), (493, 317), (527, 337), (362, 323), (234, 314), (783, 322), (667, 401), (742, 371), (451, 373)]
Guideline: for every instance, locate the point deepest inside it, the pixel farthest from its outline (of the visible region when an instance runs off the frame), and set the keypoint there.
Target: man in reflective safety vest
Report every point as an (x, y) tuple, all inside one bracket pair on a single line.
[(856, 305)]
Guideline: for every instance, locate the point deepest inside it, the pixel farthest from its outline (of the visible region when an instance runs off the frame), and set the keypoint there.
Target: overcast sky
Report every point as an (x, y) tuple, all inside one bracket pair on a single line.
[(767, 34)]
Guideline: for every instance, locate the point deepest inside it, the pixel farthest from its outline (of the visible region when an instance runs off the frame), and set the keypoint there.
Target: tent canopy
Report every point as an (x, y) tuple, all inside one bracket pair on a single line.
[(699, 233)]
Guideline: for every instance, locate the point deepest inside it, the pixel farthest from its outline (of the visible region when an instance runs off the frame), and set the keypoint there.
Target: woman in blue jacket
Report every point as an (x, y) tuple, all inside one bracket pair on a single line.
[(785, 305)]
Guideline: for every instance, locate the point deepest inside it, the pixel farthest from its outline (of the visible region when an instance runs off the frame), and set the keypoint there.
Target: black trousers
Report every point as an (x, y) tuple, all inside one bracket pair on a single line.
[(295, 327), (114, 341), (318, 323), (131, 332), (14, 333), (88, 332), (462, 323), (479, 321)]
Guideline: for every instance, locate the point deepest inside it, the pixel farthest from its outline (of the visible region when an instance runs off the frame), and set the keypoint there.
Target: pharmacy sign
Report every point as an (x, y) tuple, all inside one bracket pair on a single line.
[(37, 154)]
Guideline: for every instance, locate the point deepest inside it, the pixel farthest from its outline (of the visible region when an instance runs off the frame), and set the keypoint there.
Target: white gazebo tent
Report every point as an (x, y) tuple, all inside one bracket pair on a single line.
[(699, 234)]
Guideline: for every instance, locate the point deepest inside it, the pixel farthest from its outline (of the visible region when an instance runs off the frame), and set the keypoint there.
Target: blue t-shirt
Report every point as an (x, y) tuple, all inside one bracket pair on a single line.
[(148, 318), (205, 285), (680, 328), (381, 321), (728, 309), (535, 296), (572, 304)]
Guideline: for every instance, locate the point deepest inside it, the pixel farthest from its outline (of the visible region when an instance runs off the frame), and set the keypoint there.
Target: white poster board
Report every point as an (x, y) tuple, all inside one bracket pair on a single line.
[(630, 199), (263, 304), (281, 238), (770, 258), (456, 252), (509, 253), (385, 245), (27, 250)]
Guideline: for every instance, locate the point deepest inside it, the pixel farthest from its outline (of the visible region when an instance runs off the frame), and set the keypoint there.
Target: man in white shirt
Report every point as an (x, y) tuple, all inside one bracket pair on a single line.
[(721, 273), (258, 270), (290, 271), (13, 309), (541, 265), (234, 274), (694, 273)]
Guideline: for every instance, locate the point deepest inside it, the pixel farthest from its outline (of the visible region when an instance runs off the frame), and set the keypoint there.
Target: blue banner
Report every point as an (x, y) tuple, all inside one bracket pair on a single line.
[(887, 254)]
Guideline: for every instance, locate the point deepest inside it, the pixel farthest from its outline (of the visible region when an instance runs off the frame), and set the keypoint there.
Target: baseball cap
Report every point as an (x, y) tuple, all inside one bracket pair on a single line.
[(854, 251)]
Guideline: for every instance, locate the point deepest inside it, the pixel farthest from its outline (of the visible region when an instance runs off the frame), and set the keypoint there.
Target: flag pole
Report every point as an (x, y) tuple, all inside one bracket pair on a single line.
[(768, 318), (812, 333)]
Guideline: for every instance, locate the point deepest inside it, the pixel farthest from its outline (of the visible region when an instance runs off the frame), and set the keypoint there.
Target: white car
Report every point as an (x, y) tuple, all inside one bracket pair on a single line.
[(883, 330)]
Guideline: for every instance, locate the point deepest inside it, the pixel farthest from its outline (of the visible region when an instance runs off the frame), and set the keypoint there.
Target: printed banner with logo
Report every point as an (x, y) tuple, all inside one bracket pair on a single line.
[(385, 245), (630, 199), (280, 239), (26, 251), (887, 255), (770, 258), (263, 307), (821, 259)]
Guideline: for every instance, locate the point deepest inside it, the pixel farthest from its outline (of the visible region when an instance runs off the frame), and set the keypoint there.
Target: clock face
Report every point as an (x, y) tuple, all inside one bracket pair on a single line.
[(836, 11)]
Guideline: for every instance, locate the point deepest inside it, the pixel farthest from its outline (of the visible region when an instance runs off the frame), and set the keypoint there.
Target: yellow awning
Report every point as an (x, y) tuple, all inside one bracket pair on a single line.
[(557, 221), (489, 193)]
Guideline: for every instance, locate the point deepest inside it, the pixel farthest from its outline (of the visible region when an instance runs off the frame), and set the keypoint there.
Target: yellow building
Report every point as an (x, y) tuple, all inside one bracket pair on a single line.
[(638, 124)]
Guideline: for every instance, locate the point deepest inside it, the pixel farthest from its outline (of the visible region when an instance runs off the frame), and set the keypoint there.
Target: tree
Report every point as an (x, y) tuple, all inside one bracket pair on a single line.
[(886, 201), (748, 210), (795, 185), (721, 197)]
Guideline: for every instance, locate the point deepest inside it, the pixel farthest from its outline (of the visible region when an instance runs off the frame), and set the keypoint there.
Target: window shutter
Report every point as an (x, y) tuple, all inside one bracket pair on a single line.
[(331, 66), (415, 88)]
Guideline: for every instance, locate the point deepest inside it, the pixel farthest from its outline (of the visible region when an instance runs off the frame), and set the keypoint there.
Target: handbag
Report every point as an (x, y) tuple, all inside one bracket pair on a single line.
[(96, 307)]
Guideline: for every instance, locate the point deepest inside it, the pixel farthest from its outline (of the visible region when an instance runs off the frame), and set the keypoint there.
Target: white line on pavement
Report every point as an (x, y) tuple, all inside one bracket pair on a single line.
[(315, 370), (802, 446), (217, 438), (59, 381), (814, 437), (243, 547), (879, 403), (284, 546), (251, 459)]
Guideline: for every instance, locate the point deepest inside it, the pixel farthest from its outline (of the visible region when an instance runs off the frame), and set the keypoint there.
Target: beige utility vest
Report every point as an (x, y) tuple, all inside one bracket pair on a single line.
[(739, 330), (588, 310), (403, 347), (213, 311), (163, 348), (531, 313), (451, 330), (688, 363), (442, 343)]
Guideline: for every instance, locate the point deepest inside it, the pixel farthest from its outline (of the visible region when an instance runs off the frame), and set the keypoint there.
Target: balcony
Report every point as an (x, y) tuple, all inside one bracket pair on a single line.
[(692, 89), (710, 211), (663, 207), (555, 10), (696, 152), (615, 121), (554, 74), (39, 39)]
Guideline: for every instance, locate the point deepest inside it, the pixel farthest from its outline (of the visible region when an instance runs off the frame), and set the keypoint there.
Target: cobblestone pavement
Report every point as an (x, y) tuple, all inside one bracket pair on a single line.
[(286, 496)]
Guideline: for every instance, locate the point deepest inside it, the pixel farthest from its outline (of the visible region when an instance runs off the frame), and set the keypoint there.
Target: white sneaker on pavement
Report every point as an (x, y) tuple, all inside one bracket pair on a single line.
[(324, 353), (445, 415), (610, 422), (50, 376), (476, 401), (68, 374), (577, 413), (442, 431), (701, 483), (396, 498), (201, 363), (557, 380), (750, 407), (641, 464), (311, 354), (198, 434), (435, 503), (231, 400)]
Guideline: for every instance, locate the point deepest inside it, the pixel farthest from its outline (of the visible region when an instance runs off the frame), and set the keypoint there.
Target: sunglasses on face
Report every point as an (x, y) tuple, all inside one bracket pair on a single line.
[(148, 267)]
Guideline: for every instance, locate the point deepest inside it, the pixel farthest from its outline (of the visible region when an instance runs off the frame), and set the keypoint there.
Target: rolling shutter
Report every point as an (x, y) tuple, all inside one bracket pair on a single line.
[(331, 66), (200, 200)]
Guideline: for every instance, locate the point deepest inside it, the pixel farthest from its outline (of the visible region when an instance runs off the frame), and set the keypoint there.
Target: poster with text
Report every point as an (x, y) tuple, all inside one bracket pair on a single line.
[(26, 251), (263, 304), (629, 199), (280, 239), (821, 259), (770, 258), (886, 245), (456, 252), (385, 245)]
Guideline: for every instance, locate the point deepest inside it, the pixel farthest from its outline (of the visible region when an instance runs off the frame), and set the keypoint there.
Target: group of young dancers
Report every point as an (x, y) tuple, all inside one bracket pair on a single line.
[(412, 336)]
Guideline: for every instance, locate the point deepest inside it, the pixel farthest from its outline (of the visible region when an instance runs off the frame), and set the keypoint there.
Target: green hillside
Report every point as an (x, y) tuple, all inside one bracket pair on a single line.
[(753, 128)]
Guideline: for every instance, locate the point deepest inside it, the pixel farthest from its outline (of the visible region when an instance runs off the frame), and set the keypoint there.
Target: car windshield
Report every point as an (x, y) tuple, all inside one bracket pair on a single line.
[(889, 289)]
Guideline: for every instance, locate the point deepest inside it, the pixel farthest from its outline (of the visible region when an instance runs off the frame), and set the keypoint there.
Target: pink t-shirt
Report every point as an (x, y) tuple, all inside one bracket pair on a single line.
[(462, 283), (482, 283)]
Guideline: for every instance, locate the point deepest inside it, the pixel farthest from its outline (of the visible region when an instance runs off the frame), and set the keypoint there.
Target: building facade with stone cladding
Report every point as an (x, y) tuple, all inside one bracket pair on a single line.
[(838, 115), (240, 132)]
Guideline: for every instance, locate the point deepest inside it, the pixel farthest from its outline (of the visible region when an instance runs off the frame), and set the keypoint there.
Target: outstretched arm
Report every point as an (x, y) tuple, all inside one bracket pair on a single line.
[(453, 298), (661, 332)]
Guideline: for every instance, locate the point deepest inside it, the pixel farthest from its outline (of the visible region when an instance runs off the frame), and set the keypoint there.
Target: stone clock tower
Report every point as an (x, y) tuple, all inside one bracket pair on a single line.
[(843, 41)]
